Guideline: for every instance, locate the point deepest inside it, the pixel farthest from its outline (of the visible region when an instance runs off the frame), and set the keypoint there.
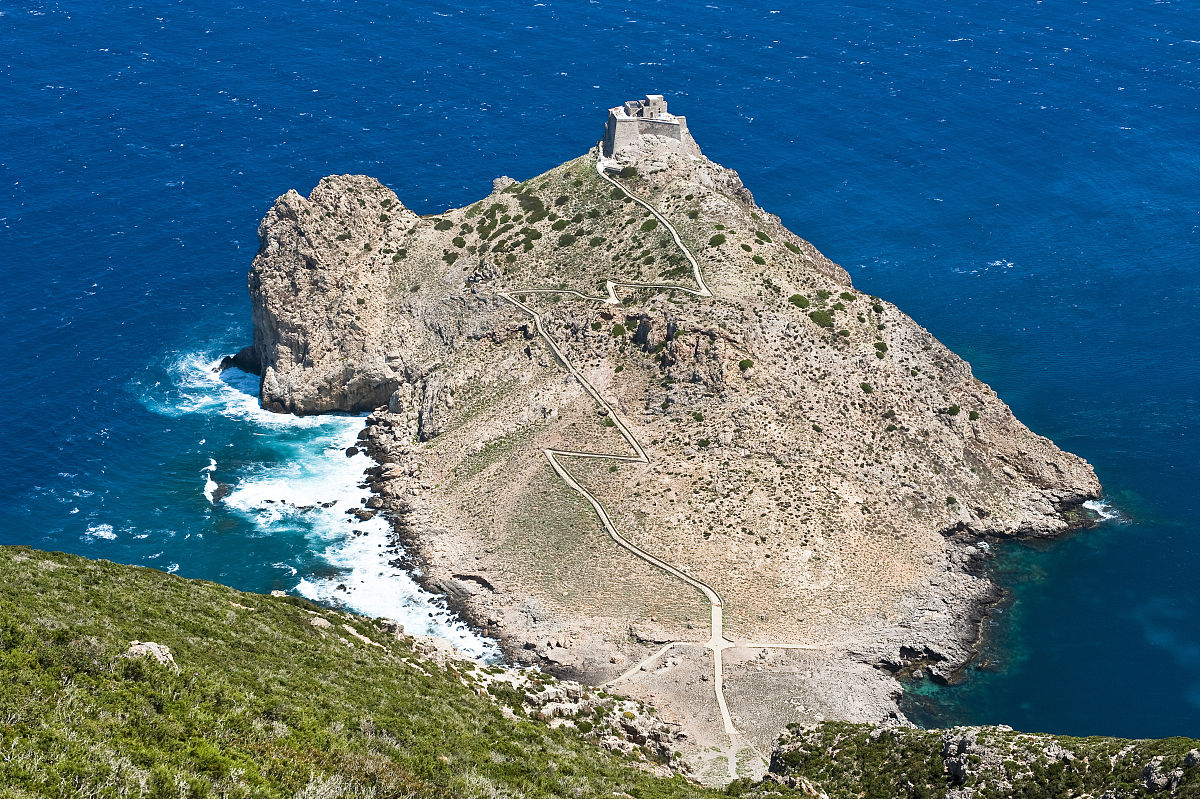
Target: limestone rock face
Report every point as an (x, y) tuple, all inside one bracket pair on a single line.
[(319, 284)]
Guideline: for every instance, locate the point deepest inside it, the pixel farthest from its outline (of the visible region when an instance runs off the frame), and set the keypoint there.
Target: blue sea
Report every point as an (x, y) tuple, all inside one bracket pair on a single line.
[(1023, 178)]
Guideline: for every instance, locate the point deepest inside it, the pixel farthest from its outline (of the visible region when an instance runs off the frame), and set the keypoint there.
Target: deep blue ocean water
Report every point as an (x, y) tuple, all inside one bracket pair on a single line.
[(1022, 177)]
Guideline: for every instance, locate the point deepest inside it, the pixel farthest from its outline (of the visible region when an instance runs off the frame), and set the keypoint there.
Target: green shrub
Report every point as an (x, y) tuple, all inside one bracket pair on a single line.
[(822, 294), (443, 224), (459, 241), (822, 318), (560, 224), (847, 296), (951, 501), (866, 387), (629, 172), (762, 236), (745, 364), (608, 422), (792, 247), (566, 240), (799, 300), (595, 241), (747, 248), (837, 306), (717, 240), (343, 236), (450, 257), (758, 259), (703, 443), (877, 308), (693, 214), (953, 410), (618, 330), (818, 428), (699, 417), (649, 224), (973, 416)]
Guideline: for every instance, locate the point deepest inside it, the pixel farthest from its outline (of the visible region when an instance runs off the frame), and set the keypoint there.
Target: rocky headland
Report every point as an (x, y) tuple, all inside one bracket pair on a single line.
[(649, 439)]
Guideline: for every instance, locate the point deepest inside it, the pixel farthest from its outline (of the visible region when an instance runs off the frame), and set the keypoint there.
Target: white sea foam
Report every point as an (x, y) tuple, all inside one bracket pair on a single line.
[(102, 531), (307, 493), (198, 388), (210, 485), (310, 496), (1103, 509)]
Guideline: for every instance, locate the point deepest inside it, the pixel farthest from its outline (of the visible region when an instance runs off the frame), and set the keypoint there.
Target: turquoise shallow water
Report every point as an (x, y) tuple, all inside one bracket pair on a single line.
[(1020, 177)]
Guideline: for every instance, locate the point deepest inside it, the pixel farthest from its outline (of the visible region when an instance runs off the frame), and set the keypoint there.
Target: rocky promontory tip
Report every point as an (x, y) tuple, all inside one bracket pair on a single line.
[(649, 438)]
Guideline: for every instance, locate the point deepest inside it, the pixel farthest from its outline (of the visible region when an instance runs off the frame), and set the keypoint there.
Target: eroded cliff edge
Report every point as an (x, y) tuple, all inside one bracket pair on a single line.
[(815, 455)]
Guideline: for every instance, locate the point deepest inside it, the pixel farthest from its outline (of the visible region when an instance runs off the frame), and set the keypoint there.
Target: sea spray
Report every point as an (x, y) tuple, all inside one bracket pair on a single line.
[(297, 483), (210, 485)]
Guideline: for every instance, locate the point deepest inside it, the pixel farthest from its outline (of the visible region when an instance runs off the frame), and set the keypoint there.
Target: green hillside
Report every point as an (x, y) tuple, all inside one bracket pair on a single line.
[(275, 696), (264, 703)]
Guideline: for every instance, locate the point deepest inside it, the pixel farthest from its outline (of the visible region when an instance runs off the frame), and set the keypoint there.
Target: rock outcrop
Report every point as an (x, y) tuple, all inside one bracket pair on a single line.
[(819, 459), (324, 336)]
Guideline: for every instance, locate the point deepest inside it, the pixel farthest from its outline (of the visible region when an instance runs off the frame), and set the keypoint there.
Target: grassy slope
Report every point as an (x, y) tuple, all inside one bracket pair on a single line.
[(856, 760), (264, 704)]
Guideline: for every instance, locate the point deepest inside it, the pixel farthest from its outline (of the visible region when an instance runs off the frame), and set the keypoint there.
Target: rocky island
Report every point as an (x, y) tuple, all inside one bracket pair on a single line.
[(649, 439)]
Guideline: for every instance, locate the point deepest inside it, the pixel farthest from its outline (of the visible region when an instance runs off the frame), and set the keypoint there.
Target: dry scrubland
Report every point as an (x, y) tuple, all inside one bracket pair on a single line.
[(816, 457)]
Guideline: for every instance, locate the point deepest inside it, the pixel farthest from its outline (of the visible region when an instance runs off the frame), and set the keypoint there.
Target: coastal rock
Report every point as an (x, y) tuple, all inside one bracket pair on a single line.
[(324, 339), (832, 471)]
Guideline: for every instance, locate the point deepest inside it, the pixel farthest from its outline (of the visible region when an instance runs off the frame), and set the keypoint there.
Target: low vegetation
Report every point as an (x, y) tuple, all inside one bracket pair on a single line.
[(860, 761), (269, 697)]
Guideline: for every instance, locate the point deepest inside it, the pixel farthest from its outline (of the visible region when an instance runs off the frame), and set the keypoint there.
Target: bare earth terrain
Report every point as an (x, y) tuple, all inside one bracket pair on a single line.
[(649, 439)]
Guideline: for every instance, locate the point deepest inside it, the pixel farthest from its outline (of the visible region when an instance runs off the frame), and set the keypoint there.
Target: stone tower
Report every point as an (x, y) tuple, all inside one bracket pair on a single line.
[(629, 122)]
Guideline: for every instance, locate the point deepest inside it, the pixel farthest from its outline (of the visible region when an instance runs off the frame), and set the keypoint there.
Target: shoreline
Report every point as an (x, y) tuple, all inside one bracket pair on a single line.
[(963, 634)]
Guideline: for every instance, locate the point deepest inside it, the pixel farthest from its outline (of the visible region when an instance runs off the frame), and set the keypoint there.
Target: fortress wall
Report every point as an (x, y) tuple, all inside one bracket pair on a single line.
[(620, 133), (658, 127)]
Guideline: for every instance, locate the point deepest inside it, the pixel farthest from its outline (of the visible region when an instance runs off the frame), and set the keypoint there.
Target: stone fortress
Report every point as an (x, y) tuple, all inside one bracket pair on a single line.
[(629, 122)]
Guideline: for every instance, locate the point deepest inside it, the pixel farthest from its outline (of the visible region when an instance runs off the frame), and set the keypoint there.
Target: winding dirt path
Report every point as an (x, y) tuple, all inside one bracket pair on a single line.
[(717, 643)]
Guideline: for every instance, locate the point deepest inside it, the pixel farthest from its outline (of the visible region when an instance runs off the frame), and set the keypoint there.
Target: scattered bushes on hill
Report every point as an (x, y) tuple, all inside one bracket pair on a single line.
[(822, 317)]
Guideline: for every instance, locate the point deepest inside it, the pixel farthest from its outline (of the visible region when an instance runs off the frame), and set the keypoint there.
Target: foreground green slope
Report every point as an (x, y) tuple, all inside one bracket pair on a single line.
[(264, 703), (278, 697)]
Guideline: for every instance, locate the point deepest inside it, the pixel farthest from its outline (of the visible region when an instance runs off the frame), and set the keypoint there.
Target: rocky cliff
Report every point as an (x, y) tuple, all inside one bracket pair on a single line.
[(808, 452)]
